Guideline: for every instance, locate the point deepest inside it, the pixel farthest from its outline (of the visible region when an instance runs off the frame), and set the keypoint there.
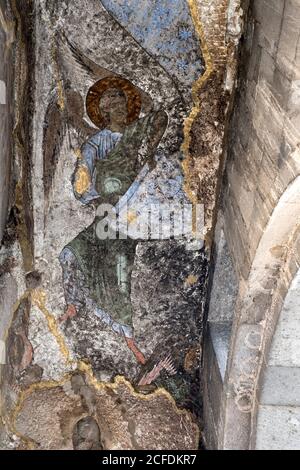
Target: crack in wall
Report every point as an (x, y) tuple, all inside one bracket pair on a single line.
[(186, 164)]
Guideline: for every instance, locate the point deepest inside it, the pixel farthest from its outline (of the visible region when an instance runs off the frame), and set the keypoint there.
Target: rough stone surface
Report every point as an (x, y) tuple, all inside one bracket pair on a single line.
[(220, 336), (279, 428), (281, 386), (224, 286), (6, 110), (48, 416), (212, 393), (204, 149)]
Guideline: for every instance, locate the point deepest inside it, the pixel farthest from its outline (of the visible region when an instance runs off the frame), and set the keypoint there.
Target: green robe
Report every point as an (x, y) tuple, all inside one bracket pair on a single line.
[(107, 264)]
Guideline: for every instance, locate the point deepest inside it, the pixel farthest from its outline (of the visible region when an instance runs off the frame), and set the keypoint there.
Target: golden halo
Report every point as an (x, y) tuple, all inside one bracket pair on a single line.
[(134, 100)]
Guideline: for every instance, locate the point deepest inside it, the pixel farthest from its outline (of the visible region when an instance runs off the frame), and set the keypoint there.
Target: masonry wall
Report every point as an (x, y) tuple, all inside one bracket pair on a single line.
[(278, 420), (263, 151), (262, 161)]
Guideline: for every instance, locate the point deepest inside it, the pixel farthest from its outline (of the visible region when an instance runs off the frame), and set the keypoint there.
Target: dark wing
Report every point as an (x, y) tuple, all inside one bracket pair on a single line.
[(59, 119), (79, 70), (54, 132), (66, 108), (77, 64)]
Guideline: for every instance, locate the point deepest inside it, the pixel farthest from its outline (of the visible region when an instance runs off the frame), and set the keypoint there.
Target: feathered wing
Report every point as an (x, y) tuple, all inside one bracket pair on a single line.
[(59, 119), (151, 375), (81, 72), (54, 133)]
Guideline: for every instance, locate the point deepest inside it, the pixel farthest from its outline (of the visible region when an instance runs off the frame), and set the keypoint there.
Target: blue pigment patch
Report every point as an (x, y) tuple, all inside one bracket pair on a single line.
[(166, 30)]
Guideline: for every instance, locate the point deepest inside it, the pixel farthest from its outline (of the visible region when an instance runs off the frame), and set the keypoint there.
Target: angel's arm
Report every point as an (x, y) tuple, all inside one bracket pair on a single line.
[(84, 178)]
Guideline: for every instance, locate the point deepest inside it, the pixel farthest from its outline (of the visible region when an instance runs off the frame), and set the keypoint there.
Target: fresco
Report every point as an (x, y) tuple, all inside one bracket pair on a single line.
[(166, 30), (97, 272), (113, 87), (129, 306)]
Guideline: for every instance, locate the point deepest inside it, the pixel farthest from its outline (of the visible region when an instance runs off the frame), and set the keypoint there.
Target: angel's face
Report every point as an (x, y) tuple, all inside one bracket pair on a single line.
[(113, 103)]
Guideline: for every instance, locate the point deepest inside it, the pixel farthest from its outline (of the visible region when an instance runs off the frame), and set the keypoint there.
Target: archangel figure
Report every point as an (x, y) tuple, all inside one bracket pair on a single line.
[(97, 272)]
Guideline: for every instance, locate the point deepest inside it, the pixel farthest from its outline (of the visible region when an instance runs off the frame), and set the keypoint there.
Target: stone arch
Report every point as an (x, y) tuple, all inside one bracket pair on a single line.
[(260, 301), (279, 400)]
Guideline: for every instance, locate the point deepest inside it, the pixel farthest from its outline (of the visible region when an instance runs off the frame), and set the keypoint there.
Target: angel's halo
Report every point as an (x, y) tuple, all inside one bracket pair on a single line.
[(134, 99)]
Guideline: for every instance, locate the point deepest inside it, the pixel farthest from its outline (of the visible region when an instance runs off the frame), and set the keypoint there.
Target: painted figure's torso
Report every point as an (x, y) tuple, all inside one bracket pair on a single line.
[(97, 148)]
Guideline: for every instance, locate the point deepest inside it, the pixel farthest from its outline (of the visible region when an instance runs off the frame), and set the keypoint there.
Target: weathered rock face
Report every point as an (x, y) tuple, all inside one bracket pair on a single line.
[(205, 128), (80, 416), (7, 32), (110, 100)]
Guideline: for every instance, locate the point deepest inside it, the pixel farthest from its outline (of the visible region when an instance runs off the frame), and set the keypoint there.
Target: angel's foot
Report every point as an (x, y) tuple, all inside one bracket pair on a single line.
[(69, 313), (138, 354)]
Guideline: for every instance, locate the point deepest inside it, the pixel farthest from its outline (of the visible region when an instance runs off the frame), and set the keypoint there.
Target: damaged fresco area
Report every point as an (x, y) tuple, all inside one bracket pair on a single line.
[(78, 415), (109, 100)]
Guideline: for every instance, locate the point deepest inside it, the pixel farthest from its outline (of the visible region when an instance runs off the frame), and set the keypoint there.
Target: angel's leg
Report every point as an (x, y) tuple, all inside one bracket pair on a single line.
[(76, 295), (122, 330)]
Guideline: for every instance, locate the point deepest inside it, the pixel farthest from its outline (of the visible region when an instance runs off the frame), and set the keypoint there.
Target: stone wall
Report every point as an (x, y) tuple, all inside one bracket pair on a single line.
[(263, 151), (260, 218), (278, 420)]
